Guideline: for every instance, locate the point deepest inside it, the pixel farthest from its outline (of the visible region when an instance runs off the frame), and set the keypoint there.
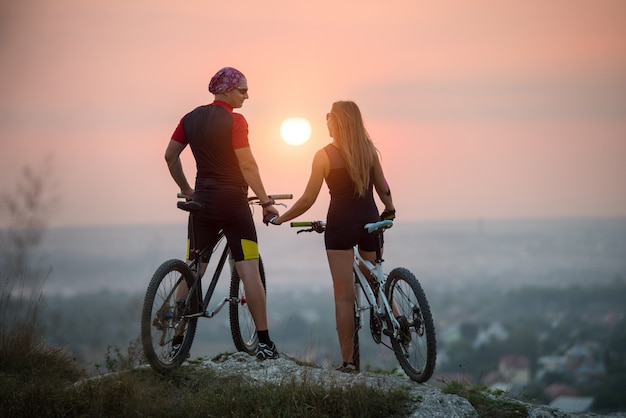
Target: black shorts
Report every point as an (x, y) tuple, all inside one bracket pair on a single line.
[(231, 213), (345, 226), (344, 238)]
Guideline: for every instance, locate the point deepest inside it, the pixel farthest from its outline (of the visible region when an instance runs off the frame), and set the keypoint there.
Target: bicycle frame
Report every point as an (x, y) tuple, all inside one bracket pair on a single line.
[(381, 304), (196, 266), (405, 317), (205, 254)]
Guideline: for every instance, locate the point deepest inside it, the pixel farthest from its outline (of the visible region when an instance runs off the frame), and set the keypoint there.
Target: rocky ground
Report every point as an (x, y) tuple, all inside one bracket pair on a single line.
[(429, 401)]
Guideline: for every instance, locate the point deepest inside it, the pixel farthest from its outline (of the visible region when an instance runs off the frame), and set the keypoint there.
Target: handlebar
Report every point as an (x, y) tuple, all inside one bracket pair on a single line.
[(251, 199), (320, 226), (284, 196), (305, 224), (189, 205), (313, 226)]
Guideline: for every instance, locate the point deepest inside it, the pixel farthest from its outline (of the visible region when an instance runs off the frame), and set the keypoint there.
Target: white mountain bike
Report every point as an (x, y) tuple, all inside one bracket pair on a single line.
[(398, 308)]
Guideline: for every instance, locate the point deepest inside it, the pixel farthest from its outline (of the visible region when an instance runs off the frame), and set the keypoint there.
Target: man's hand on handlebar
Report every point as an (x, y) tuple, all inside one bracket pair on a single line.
[(270, 212), (186, 194), (270, 218)]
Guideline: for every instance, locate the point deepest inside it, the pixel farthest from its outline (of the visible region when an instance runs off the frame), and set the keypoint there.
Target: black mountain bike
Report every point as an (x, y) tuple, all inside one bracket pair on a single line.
[(174, 301)]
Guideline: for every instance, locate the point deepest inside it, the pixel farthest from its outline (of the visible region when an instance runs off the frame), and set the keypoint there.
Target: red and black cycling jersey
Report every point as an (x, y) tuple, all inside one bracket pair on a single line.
[(214, 132)]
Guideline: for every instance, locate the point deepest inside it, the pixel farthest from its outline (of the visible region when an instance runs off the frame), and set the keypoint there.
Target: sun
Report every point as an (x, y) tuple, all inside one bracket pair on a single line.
[(295, 131)]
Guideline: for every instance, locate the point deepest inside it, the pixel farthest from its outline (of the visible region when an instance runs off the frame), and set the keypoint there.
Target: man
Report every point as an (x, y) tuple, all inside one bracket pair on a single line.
[(218, 138)]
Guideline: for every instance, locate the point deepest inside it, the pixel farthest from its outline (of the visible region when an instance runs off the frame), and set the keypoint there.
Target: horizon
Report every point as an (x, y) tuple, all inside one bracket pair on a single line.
[(440, 254), (182, 223)]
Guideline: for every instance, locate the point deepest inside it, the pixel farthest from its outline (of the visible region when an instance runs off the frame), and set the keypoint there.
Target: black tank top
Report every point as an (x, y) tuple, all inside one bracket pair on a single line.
[(345, 204)]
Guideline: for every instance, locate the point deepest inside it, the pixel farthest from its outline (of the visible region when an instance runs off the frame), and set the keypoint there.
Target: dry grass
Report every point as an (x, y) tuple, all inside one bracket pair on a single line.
[(39, 380)]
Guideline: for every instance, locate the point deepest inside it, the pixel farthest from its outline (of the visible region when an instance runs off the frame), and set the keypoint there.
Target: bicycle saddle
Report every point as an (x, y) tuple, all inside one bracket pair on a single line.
[(190, 206)]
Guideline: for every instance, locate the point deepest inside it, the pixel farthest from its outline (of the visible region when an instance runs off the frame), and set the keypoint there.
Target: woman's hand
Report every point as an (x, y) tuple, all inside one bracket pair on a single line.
[(388, 215)]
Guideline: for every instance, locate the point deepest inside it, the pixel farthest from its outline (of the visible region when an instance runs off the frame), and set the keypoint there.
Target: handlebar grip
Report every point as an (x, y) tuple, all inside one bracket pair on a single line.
[(303, 224), (281, 196)]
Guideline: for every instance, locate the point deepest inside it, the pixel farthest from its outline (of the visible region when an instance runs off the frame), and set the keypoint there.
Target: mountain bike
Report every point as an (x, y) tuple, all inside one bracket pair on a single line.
[(174, 300), (397, 306)]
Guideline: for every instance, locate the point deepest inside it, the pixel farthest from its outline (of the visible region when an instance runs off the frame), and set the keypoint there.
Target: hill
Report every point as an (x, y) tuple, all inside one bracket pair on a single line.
[(423, 400), (244, 379)]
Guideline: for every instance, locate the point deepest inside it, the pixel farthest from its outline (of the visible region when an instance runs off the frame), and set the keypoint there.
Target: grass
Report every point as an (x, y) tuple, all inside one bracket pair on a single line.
[(44, 381), (488, 404), (49, 390)]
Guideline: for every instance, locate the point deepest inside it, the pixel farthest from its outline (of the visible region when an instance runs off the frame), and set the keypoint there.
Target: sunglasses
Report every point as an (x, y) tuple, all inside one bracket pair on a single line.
[(242, 91)]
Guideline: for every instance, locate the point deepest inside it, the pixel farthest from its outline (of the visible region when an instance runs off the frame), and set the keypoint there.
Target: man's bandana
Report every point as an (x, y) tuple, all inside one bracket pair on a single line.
[(225, 80)]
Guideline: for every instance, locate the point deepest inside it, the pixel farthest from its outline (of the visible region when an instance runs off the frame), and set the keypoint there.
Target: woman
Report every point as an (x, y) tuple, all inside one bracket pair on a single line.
[(351, 169)]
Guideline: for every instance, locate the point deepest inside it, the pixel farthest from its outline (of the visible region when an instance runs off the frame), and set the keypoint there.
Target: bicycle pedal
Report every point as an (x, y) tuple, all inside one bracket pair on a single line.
[(388, 332)]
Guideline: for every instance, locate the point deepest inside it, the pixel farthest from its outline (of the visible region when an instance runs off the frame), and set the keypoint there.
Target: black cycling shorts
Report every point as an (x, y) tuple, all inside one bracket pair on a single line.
[(232, 214), (346, 236), (345, 224)]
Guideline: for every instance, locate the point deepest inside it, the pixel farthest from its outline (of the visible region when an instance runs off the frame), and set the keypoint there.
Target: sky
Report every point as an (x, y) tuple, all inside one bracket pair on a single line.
[(480, 109)]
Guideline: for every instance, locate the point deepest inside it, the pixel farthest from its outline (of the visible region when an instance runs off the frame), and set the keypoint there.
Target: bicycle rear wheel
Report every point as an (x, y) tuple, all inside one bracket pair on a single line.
[(242, 325), (162, 317), (416, 347)]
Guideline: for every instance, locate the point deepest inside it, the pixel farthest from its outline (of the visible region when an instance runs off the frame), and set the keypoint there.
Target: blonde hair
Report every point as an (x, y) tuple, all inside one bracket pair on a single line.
[(355, 143)]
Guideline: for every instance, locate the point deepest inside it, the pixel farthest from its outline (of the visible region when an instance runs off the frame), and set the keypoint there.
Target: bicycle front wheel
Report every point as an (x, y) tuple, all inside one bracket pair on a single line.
[(242, 325), (162, 316), (416, 347)]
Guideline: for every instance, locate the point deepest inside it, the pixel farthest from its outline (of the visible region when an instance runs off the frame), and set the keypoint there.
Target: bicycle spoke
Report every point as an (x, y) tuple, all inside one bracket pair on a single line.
[(415, 345), (246, 324), (163, 317)]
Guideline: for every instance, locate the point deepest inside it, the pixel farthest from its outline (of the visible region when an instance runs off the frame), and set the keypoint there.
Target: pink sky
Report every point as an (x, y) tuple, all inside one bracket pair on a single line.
[(481, 109)]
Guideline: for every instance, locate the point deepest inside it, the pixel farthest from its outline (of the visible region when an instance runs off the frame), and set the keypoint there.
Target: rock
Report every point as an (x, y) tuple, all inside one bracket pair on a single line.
[(429, 402)]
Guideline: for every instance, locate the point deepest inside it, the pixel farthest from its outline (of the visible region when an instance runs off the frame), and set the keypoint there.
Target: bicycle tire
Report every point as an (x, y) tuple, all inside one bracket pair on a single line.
[(416, 350), (242, 325), (161, 315)]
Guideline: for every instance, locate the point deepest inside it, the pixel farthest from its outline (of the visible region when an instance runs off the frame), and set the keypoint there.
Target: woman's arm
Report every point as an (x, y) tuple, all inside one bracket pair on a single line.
[(381, 185), (319, 171)]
